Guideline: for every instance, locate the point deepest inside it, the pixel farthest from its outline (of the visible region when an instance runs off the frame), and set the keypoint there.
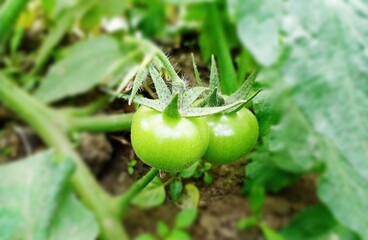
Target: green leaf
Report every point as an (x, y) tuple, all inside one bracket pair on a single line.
[(315, 222), (246, 223), (187, 173), (86, 64), (344, 192), (177, 234), (185, 218), (325, 72), (257, 198), (145, 236), (63, 21), (40, 183), (152, 195), (263, 171), (190, 197), (207, 178), (176, 188), (259, 26), (162, 229), (270, 234)]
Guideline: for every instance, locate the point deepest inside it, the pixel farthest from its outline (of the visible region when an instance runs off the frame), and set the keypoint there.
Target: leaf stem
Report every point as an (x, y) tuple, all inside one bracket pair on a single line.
[(104, 123), (123, 201), (220, 45)]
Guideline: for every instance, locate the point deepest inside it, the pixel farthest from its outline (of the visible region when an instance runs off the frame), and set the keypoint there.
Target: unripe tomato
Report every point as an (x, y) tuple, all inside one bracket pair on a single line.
[(170, 144), (231, 136)]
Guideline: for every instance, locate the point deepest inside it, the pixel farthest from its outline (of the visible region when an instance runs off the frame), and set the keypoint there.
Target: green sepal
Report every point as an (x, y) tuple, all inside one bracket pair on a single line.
[(215, 99), (140, 77), (172, 109), (196, 73), (151, 103), (199, 112), (237, 108), (162, 90), (178, 84), (191, 95), (244, 89), (214, 76)]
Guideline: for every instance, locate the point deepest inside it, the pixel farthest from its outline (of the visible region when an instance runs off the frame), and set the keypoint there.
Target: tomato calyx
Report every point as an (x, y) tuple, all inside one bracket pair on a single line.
[(174, 97)]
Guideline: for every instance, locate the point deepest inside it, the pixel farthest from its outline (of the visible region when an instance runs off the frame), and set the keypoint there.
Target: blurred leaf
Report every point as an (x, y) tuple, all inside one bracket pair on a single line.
[(176, 188), (63, 20), (177, 234), (262, 171), (246, 223), (207, 178), (162, 229), (257, 198), (270, 234), (189, 172), (85, 65), (40, 183), (325, 73), (152, 195), (186, 218), (258, 26), (190, 197), (317, 223), (145, 236), (112, 8), (149, 17)]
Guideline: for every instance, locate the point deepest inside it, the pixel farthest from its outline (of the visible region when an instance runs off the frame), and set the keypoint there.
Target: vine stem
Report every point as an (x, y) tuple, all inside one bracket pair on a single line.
[(124, 200), (37, 115), (103, 123)]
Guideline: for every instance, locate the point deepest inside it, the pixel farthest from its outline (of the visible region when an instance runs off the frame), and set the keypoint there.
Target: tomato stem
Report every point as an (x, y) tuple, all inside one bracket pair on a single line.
[(123, 201), (108, 123)]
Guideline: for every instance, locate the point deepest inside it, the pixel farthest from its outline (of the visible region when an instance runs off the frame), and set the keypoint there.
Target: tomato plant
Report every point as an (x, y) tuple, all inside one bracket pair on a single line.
[(168, 143), (232, 135)]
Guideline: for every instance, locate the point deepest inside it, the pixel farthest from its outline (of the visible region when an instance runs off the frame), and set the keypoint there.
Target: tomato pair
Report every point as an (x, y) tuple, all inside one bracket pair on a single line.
[(174, 144)]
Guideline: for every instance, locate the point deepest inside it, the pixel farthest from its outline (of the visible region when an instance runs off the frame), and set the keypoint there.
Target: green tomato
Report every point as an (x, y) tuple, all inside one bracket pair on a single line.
[(169, 144), (231, 136)]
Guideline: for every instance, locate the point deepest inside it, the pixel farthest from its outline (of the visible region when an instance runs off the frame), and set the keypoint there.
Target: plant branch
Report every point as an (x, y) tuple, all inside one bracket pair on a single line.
[(123, 201), (103, 123), (220, 45), (88, 109)]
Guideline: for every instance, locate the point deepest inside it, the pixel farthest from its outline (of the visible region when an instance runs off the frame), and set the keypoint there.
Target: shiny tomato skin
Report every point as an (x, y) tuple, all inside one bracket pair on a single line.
[(231, 136), (169, 144)]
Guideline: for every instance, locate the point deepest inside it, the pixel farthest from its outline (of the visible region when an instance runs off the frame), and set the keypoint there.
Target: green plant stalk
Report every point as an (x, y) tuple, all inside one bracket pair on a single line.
[(107, 123), (88, 109), (124, 200), (83, 182), (227, 70), (8, 16), (244, 65)]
